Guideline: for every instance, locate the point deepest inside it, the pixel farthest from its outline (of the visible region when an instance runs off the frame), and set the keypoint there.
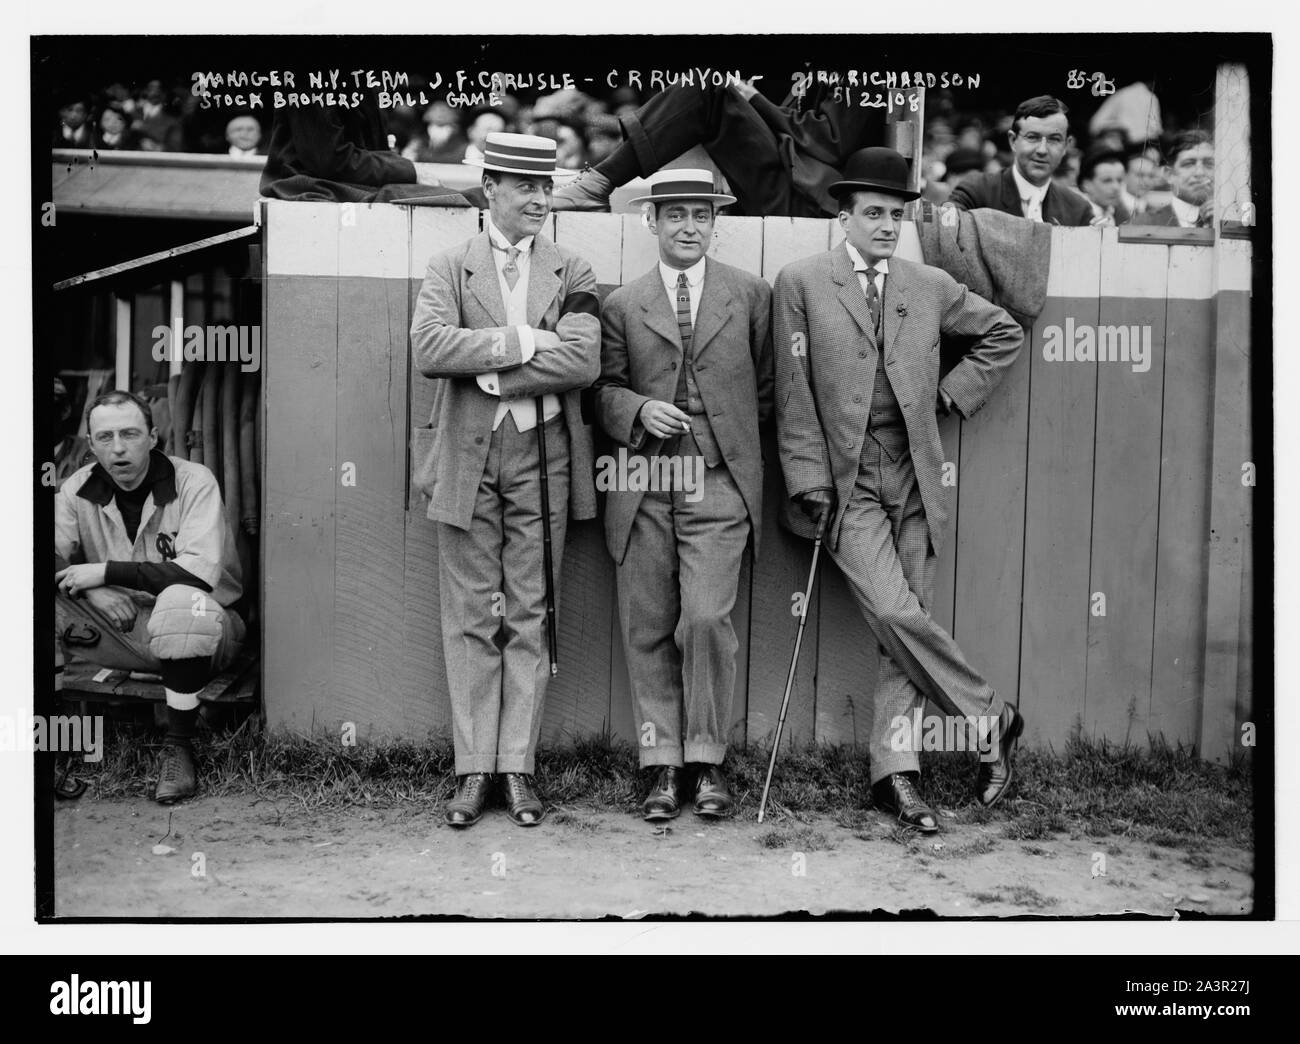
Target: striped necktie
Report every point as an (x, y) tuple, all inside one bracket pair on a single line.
[(684, 328), (873, 300)]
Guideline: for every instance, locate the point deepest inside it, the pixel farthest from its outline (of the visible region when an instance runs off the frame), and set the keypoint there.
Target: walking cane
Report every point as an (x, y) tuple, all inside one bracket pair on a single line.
[(546, 540), (794, 660)]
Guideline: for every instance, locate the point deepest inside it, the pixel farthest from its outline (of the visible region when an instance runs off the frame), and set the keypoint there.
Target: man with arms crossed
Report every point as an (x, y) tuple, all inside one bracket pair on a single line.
[(509, 325)]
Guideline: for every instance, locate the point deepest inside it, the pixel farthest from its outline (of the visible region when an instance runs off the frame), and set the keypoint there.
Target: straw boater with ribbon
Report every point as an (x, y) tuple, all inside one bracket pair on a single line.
[(507, 324), (686, 381)]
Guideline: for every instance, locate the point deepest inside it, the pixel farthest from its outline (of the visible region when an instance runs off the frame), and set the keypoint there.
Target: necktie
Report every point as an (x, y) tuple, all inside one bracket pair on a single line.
[(511, 270), (685, 332), (873, 300)]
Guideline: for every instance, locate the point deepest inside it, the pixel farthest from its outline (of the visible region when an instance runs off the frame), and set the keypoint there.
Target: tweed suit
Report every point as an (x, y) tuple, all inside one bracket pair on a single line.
[(678, 556), (482, 476), (889, 523)]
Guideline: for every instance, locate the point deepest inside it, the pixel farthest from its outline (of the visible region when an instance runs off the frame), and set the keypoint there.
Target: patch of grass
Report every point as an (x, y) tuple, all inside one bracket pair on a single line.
[(1035, 850), (801, 839), (564, 817), (1164, 796), (1198, 861), (1016, 895)]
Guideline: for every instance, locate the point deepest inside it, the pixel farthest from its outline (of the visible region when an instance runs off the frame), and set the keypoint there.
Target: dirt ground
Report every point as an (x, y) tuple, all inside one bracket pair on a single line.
[(262, 858)]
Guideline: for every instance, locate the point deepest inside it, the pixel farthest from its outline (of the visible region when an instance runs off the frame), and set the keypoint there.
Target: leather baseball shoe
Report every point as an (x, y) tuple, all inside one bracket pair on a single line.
[(175, 774)]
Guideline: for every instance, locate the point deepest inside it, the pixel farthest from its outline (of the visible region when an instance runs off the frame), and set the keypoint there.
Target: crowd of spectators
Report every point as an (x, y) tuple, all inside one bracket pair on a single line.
[(1117, 161), (155, 118)]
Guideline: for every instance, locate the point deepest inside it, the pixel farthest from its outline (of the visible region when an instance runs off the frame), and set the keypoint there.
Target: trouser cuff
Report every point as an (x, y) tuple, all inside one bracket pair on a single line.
[(467, 763), (641, 144), (652, 757), (706, 753), (895, 761), (520, 763)]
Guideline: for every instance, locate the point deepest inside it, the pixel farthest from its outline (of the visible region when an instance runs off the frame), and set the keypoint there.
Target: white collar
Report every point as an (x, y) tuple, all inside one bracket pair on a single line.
[(860, 264), (523, 246), (1026, 190), (1188, 214), (694, 275)]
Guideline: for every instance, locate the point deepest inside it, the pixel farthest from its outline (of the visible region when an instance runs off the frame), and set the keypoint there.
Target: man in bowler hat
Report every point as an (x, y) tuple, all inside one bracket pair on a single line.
[(856, 340)]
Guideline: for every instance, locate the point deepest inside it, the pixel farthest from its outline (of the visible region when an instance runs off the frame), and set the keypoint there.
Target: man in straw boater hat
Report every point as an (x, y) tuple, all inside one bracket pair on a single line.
[(508, 323), (686, 380), (857, 335)]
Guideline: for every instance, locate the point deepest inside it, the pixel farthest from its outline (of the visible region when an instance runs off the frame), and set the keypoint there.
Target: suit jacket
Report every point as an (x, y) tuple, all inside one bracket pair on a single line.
[(1000, 192), (325, 153), (823, 395), (641, 356), (459, 330)]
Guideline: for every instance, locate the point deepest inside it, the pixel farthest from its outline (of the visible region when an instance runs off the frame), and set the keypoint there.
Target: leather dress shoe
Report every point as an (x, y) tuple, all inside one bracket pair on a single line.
[(897, 794), (590, 190), (995, 776), (523, 805), (664, 800), (466, 808), (712, 798)]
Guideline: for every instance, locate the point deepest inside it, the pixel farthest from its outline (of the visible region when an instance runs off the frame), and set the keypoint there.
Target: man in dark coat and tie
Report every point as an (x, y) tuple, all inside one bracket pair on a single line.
[(686, 381), (1040, 138), (857, 345), (509, 324)]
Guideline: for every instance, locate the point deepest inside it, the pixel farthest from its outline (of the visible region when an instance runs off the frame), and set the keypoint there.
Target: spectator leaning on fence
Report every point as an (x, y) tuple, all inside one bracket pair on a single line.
[(1101, 178), (147, 572), (1191, 178), (1040, 138)]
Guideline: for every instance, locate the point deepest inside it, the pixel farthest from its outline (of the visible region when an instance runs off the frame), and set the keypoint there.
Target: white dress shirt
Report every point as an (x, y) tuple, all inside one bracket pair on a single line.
[(1188, 214), (860, 267), (524, 411), (1031, 196), (694, 281)]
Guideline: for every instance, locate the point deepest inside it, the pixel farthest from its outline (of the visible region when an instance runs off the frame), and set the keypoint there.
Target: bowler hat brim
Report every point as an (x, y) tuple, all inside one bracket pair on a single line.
[(841, 188)]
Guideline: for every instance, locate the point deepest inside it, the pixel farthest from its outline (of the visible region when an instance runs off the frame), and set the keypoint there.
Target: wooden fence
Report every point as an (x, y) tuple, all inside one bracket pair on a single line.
[(1078, 480)]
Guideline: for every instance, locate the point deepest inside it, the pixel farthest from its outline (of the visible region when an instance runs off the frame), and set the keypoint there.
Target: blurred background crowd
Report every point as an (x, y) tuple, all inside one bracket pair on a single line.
[(1116, 159)]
